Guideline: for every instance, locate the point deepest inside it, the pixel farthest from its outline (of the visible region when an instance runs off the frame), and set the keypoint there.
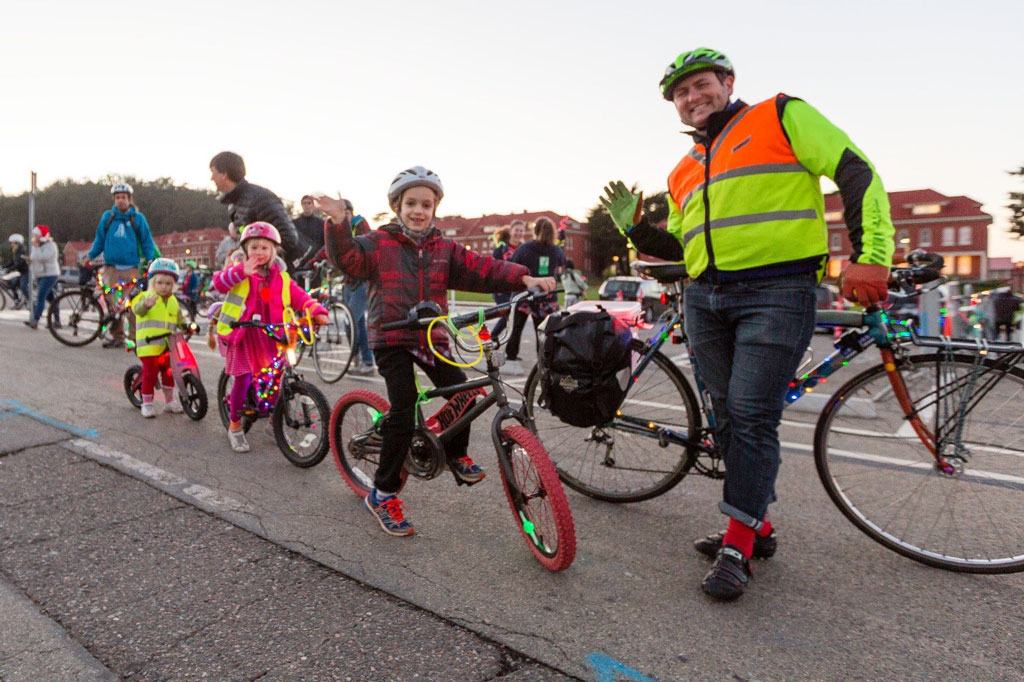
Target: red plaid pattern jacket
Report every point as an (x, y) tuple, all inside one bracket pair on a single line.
[(401, 274)]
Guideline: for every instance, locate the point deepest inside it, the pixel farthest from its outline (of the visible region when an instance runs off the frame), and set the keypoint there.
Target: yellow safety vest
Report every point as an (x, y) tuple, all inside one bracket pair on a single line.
[(161, 319), (234, 304)]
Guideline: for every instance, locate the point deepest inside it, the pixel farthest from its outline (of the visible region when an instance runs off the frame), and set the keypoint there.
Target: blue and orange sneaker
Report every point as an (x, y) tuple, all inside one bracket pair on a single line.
[(467, 472), (387, 509)]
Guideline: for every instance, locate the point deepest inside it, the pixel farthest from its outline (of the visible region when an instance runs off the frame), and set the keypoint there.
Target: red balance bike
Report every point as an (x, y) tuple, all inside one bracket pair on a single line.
[(184, 370)]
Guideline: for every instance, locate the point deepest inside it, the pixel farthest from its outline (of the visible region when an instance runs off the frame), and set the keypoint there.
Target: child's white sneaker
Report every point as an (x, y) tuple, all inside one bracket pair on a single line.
[(174, 405), (238, 442), (147, 410)]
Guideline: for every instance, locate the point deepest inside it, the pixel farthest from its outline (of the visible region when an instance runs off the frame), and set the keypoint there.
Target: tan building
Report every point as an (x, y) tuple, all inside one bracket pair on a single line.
[(954, 227)]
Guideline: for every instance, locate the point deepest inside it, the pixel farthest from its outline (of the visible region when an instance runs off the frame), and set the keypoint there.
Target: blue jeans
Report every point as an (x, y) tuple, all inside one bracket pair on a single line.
[(45, 284), (748, 339), (355, 299), (23, 282)]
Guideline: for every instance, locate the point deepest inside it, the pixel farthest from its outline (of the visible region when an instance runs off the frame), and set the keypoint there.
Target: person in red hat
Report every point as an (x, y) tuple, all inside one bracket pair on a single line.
[(43, 260)]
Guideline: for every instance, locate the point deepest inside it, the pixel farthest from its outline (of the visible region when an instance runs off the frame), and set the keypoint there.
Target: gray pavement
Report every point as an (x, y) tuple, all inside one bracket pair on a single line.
[(831, 605), (156, 589)]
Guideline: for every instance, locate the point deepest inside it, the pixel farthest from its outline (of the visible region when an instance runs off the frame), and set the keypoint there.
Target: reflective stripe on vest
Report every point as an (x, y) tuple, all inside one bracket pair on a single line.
[(765, 206), (161, 319), (234, 303)]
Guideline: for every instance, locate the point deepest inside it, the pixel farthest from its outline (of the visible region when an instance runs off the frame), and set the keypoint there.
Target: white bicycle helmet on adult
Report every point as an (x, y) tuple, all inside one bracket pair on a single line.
[(417, 176), (16, 238), (121, 187)]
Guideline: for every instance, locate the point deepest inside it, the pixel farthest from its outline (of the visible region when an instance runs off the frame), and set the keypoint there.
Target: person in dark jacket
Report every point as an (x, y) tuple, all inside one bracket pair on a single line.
[(507, 245), (544, 258), (1006, 305), (19, 265), (310, 229), (404, 263), (249, 203)]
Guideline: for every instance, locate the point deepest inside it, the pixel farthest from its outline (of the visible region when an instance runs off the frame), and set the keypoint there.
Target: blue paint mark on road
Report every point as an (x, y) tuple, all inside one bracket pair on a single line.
[(19, 409), (607, 669)]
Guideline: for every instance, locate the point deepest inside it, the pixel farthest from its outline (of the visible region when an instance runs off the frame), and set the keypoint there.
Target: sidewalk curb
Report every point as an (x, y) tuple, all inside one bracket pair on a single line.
[(50, 653)]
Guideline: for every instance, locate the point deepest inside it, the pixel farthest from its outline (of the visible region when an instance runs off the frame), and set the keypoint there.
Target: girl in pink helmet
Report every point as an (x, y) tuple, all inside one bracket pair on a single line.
[(260, 286)]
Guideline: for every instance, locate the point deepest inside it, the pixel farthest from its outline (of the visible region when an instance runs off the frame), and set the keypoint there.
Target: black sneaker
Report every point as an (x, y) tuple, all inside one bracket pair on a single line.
[(113, 343), (764, 547), (728, 576)]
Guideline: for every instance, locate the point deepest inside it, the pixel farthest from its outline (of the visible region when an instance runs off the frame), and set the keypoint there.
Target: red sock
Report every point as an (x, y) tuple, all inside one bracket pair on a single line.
[(739, 536), (766, 529)]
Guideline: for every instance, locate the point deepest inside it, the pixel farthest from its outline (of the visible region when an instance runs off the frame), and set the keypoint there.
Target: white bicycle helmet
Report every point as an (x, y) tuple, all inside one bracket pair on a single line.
[(121, 187), (163, 266), (17, 238), (417, 176)]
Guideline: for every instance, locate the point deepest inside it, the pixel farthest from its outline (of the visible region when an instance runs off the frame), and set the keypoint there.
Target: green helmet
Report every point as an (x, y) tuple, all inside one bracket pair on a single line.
[(701, 59)]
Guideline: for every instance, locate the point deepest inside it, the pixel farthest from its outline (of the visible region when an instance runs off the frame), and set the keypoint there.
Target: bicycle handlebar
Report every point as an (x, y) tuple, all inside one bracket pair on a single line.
[(422, 314)]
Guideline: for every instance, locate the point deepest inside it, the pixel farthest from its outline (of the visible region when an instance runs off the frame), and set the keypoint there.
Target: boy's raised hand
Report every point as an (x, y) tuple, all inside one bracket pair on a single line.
[(542, 283), (334, 208), (150, 300)]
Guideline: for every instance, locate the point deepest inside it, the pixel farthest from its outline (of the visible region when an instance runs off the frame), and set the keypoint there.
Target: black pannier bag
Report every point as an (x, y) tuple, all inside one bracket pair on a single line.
[(584, 366)]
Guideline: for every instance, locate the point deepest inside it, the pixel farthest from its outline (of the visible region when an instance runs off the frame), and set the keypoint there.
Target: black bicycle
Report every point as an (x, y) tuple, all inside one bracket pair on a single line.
[(535, 495), (334, 345), (298, 411), (78, 316), (923, 453)]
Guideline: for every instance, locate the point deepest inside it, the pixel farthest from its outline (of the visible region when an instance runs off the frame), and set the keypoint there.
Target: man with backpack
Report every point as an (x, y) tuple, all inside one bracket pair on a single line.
[(124, 239)]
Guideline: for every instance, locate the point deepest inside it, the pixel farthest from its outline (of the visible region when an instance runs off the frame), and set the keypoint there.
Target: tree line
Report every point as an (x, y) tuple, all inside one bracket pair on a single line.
[(72, 208)]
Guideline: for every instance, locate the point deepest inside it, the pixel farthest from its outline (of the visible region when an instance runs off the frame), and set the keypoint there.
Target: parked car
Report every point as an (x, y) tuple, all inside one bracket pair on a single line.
[(647, 291), (68, 277)]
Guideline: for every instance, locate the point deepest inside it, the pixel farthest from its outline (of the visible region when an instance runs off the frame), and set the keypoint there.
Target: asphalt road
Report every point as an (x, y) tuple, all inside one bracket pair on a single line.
[(830, 605)]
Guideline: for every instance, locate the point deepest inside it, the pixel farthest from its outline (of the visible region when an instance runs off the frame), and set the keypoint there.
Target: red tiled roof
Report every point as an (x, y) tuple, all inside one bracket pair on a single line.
[(1000, 264), (472, 227), (901, 204), (208, 233)]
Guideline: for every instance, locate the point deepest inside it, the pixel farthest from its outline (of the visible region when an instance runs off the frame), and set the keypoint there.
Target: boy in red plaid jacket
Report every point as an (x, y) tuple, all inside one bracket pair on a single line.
[(405, 262)]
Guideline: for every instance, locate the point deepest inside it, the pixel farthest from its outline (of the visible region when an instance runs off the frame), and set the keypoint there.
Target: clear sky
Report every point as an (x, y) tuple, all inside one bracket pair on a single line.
[(524, 105)]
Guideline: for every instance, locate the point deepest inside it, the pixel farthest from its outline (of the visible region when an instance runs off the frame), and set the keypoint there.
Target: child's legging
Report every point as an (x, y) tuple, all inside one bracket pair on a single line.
[(153, 366), (239, 390)]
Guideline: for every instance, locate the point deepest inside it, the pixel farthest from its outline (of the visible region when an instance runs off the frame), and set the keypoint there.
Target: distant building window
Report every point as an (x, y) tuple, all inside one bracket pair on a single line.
[(903, 238), (490, 228), (833, 216), (964, 235), (926, 237), (926, 209), (836, 242), (964, 265), (948, 236), (450, 232)]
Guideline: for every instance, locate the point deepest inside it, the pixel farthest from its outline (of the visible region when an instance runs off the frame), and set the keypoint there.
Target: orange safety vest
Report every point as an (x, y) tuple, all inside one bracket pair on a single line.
[(766, 208)]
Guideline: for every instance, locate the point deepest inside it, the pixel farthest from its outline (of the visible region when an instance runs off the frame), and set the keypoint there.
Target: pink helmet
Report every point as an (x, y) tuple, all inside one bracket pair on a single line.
[(260, 229)]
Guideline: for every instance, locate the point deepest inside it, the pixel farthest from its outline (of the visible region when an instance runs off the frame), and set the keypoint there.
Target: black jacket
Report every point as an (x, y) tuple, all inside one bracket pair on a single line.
[(248, 203)]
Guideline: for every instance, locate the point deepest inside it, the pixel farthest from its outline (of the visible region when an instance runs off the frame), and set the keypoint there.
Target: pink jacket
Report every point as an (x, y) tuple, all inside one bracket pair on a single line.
[(225, 280)]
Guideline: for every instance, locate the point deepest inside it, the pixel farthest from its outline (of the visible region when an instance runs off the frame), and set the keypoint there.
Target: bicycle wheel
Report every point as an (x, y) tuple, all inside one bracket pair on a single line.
[(75, 318), (622, 461), (194, 400), (224, 385), (537, 499), (333, 346), (355, 430), (300, 421), (133, 392), (885, 480)]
